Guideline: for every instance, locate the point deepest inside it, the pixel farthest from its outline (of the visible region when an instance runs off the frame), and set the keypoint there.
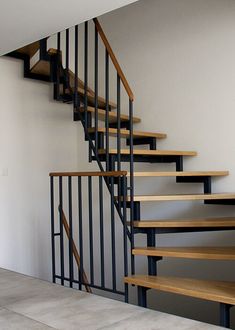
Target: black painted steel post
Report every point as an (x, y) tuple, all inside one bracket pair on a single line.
[(225, 315), (52, 228), (113, 236), (119, 137), (85, 72), (107, 109), (71, 273), (131, 184), (124, 194), (67, 57), (96, 89), (76, 96), (118, 124), (58, 66), (91, 230), (101, 209), (142, 296), (61, 229), (80, 215)]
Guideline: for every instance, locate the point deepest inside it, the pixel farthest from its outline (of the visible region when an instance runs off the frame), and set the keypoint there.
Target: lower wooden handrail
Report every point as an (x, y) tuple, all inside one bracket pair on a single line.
[(101, 173), (75, 252)]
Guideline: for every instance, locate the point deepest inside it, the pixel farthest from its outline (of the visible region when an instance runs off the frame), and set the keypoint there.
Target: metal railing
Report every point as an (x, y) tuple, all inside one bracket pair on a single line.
[(78, 43), (91, 219)]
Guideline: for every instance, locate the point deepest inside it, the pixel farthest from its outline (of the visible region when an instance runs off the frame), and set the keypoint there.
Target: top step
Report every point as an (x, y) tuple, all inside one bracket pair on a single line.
[(29, 50)]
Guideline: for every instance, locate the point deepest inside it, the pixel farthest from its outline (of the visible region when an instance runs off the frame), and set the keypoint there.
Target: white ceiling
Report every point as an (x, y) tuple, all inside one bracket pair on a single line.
[(25, 21)]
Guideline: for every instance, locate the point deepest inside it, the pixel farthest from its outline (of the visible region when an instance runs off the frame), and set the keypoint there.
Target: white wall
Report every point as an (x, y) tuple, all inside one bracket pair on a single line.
[(37, 136), (179, 59)]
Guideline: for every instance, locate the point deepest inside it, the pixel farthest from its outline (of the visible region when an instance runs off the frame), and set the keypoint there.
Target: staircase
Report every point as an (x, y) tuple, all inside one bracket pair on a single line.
[(107, 130)]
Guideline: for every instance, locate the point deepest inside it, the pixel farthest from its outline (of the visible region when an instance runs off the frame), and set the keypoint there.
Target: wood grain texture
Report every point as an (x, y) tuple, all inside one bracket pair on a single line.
[(206, 253), (41, 67), (189, 197), (125, 133), (209, 290), (30, 49), (187, 223), (112, 115), (146, 152), (114, 173), (114, 59), (180, 173)]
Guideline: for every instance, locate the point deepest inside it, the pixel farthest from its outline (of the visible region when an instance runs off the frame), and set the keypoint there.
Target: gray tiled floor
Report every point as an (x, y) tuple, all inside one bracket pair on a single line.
[(28, 303)]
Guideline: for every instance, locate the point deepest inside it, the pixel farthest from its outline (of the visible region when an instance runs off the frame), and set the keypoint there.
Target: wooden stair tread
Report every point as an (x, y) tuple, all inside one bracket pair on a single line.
[(146, 152), (81, 88), (180, 173), (208, 253), (112, 115), (30, 49), (90, 93), (187, 223), (188, 197), (41, 67), (125, 133), (219, 291)]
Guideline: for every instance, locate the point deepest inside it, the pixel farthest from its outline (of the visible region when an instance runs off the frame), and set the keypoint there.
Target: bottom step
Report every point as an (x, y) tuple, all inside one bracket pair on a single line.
[(223, 292)]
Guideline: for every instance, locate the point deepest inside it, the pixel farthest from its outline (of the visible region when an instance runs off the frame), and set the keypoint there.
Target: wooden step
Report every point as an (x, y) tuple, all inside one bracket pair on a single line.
[(90, 93), (180, 174), (81, 85), (207, 253), (112, 115), (218, 291), (124, 133), (226, 222), (189, 197), (29, 50), (41, 68), (146, 152)]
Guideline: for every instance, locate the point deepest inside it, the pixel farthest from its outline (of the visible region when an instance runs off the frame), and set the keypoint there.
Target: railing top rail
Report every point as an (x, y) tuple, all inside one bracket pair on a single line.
[(114, 59), (106, 174)]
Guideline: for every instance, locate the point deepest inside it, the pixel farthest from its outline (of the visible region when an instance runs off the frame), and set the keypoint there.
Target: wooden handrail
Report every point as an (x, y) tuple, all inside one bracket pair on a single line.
[(114, 59), (114, 173), (75, 252)]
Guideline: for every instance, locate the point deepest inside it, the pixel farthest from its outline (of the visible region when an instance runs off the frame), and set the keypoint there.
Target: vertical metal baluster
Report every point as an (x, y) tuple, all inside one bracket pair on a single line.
[(52, 228), (58, 67), (118, 125), (61, 229), (119, 138), (131, 184), (67, 58), (71, 277), (85, 71), (76, 96), (96, 89), (113, 238), (102, 269), (124, 194), (107, 108), (91, 230), (80, 231)]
